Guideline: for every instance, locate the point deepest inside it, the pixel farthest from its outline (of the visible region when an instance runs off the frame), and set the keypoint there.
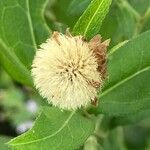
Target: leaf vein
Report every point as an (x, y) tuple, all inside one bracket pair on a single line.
[(93, 17), (31, 25), (47, 137), (124, 80)]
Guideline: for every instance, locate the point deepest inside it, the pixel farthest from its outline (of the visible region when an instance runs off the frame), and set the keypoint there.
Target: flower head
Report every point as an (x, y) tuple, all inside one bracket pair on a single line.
[(67, 70)]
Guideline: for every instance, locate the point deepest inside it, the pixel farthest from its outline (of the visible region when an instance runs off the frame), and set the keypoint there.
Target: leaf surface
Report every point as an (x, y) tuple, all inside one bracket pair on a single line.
[(90, 22), (3, 140), (77, 6), (55, 129), (22, 29), (127, 89)]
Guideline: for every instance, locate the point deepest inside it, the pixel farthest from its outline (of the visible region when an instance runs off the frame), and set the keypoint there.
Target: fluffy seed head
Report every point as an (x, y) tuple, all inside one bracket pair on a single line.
[(67, 70)]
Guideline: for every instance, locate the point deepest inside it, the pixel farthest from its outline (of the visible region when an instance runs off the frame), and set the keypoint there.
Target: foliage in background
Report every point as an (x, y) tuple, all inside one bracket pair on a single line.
[(125, 98)]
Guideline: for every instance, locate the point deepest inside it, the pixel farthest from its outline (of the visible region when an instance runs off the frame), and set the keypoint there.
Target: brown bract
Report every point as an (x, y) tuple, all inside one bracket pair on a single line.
[(99, 49)]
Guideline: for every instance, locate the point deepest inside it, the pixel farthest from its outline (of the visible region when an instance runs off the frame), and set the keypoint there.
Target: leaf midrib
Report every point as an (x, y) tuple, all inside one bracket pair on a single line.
[(13, 57), (85, 32), (47, 137), (31, 25), (123, 81)]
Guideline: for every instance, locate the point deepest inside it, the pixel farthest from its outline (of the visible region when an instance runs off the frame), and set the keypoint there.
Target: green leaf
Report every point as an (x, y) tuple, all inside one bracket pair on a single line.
[(126, 91), (90, 22), (130, 119), (3, 140), (148, 145), (77, 6), (55, 129), (140, 5), (136, 136), (119, 24), (5, 80), (22, 29), (59, 15)]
